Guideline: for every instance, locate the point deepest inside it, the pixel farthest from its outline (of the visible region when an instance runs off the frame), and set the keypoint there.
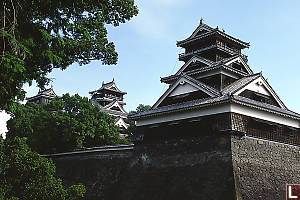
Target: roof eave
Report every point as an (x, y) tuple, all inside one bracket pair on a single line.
[(230, 99), (139, 116), (182, 43), (295, 116)]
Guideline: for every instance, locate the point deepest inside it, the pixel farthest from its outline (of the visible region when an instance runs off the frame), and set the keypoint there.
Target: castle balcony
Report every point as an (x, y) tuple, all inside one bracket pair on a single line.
[(228, 49), (187, 55)]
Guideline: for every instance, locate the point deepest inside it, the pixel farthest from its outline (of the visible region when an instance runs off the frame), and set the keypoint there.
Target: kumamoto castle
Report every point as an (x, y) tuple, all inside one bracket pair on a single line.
[(218, 132), (215, 90)]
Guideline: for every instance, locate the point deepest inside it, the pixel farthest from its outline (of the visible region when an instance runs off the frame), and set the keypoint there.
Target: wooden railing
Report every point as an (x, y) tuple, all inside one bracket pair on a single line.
[(226, 48), (196, 51)]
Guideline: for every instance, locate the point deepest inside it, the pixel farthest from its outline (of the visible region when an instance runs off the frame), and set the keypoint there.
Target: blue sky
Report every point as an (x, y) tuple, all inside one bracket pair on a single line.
[(147, 47)]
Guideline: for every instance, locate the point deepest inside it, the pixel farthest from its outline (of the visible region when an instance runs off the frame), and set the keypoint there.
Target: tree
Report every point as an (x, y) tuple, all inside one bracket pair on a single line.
[(65, 124), (26, 175), (38, 36), (140, 108)]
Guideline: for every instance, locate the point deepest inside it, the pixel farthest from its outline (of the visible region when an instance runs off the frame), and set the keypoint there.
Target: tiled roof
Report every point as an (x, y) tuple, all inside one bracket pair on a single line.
[(47, 93), (264, 106), (205, 60), (193, 60), (226, 60), (212, 32), (181, 106), (213, 101), (106, 86), (238, 84), (204, 69), (113, 112), (202, 85), (202, 26)]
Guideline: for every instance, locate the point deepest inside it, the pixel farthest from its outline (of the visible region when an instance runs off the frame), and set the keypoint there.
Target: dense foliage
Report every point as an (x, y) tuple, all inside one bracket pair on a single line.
[(140, 108), (26, 175), (37, 36), (65, 124)]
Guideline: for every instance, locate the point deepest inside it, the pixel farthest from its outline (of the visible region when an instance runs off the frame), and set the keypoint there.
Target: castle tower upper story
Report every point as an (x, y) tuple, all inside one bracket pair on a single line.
[(212, 44), (213, 57)]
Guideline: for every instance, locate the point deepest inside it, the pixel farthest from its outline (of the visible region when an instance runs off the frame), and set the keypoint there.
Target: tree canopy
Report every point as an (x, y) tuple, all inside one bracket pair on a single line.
[(26, 175), (38, 36), (65, 124), (140, 108)]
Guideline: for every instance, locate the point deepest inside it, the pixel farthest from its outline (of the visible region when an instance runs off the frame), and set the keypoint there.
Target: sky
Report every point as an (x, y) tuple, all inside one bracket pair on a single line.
[(147, 47)]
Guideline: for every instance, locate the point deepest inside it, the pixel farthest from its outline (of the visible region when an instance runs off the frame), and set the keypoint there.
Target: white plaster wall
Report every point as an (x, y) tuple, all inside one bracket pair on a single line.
[(258, 88), (236, 108), (183, 89), (185, 115), (121, 123), (260, 114)]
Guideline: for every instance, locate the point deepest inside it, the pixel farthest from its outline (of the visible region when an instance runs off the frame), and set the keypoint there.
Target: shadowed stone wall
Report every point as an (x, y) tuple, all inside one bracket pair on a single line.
[(216, 166), (263, 168), (181, 168)]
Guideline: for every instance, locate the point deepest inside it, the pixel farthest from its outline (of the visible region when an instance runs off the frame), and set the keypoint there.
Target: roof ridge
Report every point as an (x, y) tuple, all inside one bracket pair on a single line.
[(245, 44), (111, 103), (182, 105), (228, 89), (231, 37), (202, 69), (211, 89), (230, 58), (205, 26)]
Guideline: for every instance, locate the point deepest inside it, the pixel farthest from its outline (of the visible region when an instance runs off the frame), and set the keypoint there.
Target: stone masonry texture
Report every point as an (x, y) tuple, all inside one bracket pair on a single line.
[(263, 168), (213, 166), (181, 168)]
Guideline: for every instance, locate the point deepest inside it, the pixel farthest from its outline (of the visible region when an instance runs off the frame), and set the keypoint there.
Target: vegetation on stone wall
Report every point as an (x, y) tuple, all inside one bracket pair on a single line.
[(38, 36), (65, 124), (26, 175), (140, 108)]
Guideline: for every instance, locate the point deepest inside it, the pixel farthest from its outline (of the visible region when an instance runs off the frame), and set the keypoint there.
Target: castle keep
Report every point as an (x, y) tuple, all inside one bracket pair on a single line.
[(216, 90), (218, 132)]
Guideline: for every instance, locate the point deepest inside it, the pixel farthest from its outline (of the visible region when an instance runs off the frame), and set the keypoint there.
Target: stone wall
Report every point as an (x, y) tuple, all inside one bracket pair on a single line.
[(181, 168), (263, 168)]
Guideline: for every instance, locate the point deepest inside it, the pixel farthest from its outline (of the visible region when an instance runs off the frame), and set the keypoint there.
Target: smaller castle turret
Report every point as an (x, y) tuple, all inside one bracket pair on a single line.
[(43, 96), (110, 100)]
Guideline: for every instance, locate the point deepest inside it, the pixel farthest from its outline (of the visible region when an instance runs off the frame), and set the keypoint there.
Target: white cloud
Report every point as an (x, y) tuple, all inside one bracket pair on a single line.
[(4, 117)]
